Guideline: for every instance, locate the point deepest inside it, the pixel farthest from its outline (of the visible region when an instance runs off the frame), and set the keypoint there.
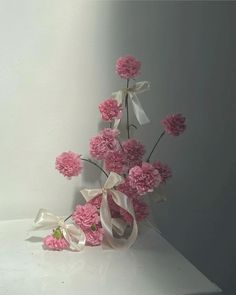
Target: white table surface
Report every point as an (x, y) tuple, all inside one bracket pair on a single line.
[(151, 266)]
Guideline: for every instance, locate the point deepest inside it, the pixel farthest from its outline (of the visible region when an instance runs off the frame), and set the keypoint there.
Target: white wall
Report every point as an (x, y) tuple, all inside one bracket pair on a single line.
[(54, 68), (57, 63)]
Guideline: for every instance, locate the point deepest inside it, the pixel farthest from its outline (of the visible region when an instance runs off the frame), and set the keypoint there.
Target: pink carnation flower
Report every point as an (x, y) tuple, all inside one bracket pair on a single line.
[(53, 243), (110, 109), (114, 208), (127, 67), (94, 237), (96, 201), (174, 124), (103, 143), (144, 178), (69, 164), (127, 189), (134, 152), (116, 161), (164, 171), (140, 209), (86, 216), (109, 133)]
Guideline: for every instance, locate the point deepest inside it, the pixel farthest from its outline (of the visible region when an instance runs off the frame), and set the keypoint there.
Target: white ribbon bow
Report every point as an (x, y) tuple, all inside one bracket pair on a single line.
[(132, 92), (73, 234), (105, 215)]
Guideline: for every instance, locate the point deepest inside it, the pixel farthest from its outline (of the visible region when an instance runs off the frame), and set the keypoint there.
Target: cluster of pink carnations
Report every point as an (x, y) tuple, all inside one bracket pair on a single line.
[(110, 153)]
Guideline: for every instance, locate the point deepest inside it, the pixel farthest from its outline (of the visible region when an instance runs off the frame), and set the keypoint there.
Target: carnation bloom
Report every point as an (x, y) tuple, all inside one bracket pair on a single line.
[(114, 208), (127, 189), (174, 124), (140, 209), (96, 201), (53, 243), (109, 133), (94, 236), (86, 216), (116, 161), (144, 178), (69, 164), (127, 67), (134, 152), (103, 143), (164, 171), (110, 109)]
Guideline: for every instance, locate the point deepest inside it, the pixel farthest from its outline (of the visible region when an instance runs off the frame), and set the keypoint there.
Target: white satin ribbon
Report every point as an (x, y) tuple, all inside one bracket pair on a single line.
[(137, 88), (73, 234), (105, 215)]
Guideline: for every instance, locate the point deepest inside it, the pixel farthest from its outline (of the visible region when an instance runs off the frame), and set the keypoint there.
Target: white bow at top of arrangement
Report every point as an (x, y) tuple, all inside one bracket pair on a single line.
[(132, 92), (74, 235), (107, 222)]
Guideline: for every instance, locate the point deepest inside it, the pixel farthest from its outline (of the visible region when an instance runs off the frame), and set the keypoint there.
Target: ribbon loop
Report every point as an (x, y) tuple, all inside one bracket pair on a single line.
[(113, 180), (72, 234), (132, 92), (108, 223)]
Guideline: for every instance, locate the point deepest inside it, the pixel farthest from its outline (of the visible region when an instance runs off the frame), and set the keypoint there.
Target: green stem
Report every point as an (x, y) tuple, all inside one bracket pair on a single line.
[(67, 218), (127, 109), (155, 145)]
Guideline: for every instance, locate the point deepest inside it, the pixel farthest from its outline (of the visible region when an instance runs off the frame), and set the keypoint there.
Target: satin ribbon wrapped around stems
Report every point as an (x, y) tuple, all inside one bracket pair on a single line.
[(74, 235), (105, 215), (132, 92)]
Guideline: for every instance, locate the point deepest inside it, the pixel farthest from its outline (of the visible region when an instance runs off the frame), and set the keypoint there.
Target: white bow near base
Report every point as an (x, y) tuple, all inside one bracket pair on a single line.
[(105, 215), (72, 234), (132, 92)]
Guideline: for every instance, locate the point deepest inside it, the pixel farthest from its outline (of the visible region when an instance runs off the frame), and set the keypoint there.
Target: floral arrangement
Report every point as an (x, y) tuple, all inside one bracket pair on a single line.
[(111, 213)]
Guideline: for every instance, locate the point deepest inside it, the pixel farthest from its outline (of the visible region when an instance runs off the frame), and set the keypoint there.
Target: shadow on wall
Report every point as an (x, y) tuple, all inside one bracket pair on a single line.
[(188, 54)]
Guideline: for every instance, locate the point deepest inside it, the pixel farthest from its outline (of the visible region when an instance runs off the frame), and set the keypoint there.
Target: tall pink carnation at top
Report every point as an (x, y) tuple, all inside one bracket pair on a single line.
[(110, 109), (127, 67), (144, 178), (69, 164), (174, 124), (103, 143)]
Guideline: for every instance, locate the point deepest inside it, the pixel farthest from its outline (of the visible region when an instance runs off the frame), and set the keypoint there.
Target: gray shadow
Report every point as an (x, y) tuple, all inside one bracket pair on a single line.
[(34, 239), (91, 174), (77, 198)]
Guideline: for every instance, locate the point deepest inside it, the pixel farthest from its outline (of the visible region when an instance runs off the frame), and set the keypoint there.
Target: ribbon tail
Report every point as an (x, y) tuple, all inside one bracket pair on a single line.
[(116, 123), (74, 236), (139, 111), (107, 223), (124, 202), (119, 97), (119, 225), (45, 220), (141, 87)]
